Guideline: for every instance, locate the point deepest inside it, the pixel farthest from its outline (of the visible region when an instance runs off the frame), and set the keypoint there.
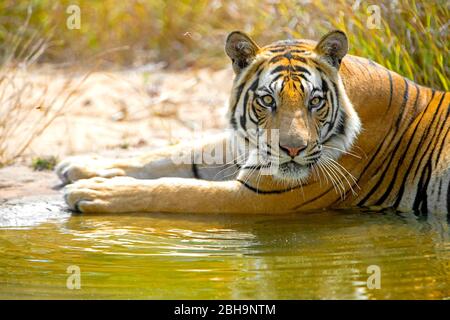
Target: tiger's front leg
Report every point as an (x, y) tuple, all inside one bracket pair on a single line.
[(171, 195), (172, 161)]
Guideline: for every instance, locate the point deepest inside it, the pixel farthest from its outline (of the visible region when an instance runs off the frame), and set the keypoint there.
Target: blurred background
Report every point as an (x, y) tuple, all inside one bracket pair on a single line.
[(411, 39), (119, 74)]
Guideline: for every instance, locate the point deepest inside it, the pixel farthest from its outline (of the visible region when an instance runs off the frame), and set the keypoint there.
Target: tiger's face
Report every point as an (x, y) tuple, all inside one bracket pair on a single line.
[(291, 90)]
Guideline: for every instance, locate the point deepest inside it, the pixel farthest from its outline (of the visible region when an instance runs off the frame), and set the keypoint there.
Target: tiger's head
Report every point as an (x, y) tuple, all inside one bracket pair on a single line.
[(292, 86)]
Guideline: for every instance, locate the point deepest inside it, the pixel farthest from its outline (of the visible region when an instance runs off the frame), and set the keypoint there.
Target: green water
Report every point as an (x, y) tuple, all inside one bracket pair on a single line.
[(304, 256)]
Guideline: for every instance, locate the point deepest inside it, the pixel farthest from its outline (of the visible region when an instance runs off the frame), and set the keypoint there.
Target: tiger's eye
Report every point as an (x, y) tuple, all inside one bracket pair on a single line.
[(268, 100), (315, 101)]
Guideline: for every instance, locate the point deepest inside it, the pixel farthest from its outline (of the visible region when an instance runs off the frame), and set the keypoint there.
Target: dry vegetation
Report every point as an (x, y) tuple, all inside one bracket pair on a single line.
[(413, 39), (44, 64), (28, 105)]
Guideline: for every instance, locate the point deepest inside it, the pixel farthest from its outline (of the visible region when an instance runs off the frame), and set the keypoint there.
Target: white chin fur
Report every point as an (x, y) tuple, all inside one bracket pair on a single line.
[(292, 173)]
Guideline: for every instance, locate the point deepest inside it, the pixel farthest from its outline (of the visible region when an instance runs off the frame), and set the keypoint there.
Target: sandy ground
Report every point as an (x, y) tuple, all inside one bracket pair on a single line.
[(118, 114)]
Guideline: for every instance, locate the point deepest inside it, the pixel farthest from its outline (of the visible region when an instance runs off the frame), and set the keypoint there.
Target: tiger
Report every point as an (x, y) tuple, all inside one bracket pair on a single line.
[(347, 133)]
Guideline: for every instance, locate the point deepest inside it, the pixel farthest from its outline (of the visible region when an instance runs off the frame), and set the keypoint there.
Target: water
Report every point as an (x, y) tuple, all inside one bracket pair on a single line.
[(164, 256)]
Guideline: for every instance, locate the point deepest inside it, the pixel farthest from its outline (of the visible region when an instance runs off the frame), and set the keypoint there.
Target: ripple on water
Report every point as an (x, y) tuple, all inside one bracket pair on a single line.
[(323, 255)]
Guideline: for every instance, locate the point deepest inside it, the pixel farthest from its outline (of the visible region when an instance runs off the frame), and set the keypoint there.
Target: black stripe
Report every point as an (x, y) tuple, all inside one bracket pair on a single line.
[(333, 106), (380, 181), (233, 123), (290, 68), (238, 97), (277, 50), (391, 90), (418, 148), (435, 113), (440, 189), (237, 164), (402, 188), (276, 78), (300, 69), (442, 146), (276, 58), (255, 119), (279, 69), (420, 202), (385, 139), (259, 191), (314, 199), (388, 133), (380, 146), (243, 118), (403, 105), (298, 51), (287, 55), (438, 156), (417, 99), (259, 69), (195, 171), (255, 167), (336, 103), (297, 58), (396, 148), (402, 158), (342, 123), (314, 153)]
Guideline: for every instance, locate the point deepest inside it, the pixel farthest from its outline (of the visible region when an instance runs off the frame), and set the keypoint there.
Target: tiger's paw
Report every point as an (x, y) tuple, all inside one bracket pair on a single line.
[(84, 167), (115, 195)]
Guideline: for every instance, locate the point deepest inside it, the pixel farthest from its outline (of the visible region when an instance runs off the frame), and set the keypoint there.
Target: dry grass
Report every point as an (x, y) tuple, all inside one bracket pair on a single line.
[(27, 105), (27, 109), (413, 39)]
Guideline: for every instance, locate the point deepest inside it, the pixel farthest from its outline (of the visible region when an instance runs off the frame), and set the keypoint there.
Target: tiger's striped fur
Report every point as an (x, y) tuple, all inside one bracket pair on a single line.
[(374, 139), (404, 144)]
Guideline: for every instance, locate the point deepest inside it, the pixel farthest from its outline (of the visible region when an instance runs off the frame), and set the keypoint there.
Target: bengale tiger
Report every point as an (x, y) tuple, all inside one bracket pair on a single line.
[(351, 133)]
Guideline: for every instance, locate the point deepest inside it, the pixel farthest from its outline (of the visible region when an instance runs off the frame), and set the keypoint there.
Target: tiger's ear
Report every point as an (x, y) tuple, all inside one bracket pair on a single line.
[(333, 47), (241, 49)]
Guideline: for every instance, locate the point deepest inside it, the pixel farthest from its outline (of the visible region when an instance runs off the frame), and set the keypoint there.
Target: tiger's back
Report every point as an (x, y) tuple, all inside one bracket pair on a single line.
[(409, 166)]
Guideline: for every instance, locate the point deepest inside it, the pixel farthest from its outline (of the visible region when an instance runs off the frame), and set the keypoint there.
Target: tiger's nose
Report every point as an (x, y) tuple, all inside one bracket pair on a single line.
[(293, 151)]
